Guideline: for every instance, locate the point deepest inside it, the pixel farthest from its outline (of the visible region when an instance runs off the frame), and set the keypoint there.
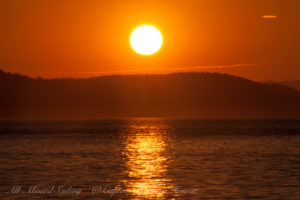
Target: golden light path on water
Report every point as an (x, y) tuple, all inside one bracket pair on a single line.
[(146, 162)]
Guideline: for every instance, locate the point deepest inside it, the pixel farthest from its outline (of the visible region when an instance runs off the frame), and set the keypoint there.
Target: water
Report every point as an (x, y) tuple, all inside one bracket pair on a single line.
[(150, 159)]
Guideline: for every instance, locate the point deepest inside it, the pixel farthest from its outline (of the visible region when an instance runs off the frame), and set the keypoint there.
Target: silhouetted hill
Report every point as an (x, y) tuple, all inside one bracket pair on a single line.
[(204, 95), (292, 84)]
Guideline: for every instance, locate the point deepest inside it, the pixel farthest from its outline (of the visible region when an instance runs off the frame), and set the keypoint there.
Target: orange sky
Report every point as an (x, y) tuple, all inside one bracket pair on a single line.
[(57, 38)]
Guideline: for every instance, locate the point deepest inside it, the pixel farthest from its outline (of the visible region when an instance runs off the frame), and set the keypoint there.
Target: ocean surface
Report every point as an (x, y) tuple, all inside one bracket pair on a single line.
[(150, 159)]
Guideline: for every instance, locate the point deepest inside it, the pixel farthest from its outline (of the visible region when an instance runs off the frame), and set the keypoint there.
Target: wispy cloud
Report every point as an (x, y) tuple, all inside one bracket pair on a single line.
[(186, 68), (269, 16), (144, 70)]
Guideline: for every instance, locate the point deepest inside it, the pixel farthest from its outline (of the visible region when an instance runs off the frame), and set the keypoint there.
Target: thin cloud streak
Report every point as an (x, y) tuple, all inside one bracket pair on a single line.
[(269, 16), (152, 70)]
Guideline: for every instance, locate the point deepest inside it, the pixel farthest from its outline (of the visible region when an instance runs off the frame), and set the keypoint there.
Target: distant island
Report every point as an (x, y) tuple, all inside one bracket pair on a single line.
[(179, 95), (291, 83)]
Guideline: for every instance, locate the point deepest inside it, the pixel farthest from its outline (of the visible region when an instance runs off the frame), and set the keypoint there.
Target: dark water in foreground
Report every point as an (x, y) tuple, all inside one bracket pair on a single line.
[(150, 159)]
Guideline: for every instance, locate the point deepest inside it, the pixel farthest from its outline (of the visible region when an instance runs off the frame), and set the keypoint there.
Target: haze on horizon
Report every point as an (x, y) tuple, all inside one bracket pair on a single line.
[(88, 38)]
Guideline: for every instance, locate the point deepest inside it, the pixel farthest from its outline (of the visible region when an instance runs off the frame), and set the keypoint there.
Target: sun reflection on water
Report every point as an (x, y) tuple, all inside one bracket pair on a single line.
[(147, 161)]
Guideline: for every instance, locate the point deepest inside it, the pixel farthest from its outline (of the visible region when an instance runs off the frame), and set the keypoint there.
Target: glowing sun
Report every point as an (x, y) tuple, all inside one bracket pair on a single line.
[(146, 40)]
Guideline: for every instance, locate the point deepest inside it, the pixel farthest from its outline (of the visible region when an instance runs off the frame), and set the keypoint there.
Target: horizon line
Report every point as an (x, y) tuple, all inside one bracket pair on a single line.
[(145, 71)]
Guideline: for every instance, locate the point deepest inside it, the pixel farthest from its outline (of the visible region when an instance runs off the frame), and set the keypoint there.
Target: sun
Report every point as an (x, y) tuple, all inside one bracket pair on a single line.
[(146, 40)]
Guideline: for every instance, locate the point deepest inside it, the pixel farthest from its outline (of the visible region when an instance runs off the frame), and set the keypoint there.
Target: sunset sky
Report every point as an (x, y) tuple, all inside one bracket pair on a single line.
[(257, 39)]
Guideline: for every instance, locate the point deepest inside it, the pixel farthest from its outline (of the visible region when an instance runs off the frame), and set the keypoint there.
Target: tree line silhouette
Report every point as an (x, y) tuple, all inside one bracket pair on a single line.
[(179, 95)]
